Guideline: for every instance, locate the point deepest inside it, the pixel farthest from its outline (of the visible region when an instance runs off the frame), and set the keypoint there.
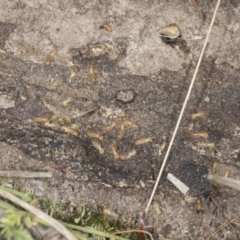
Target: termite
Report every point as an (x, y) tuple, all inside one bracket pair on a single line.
[(109, 127), (210, 145), (214, 166), (96, 143), (40, 119), (50, 58), (131, 123), (120, 132), (199, 205), (200, 114), (61, 118), (143, 140), (156, 206), (227, 172), (65, 102), (70, 130), (52, 125), (129, 155), (95, 135), (161, 148), (113, 147), (92, 75), (198, 134), (106, 27)]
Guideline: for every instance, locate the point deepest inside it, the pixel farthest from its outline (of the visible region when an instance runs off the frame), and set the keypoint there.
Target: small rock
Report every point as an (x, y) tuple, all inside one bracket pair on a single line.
[(206, 99), (235, 27), (125, 96), (6, 103)]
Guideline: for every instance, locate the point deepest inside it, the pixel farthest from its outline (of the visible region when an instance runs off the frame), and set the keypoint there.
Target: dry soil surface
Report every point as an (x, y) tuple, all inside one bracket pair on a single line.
[(62, 76)]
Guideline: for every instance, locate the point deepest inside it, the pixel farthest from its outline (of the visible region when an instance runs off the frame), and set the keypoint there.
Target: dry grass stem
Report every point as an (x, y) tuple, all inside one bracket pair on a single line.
[(24, 174), (134, 230), (229, 182), (183, 107), (222, 227), (35, 211)]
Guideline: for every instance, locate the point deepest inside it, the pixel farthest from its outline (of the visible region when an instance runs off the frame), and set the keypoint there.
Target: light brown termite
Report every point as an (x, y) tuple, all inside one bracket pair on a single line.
[(209, 145), (40, 119), (93, 134), (92, 75), (171, 31), (120, 132), (161, 148), (143, 140), (131, 123), (61, 119), (50, 57), (199, 205), (214, 166), (97, 144), (200, 114), (198, 134), (109, 127), (129, 155), (106, 27), (157, 208), (65, 102), (52, 125), (113, 147), (70, 130), (227, 172)]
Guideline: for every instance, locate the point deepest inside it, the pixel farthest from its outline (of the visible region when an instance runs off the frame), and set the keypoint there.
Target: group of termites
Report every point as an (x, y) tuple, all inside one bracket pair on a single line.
[(92, 76), (205, 135), (210, 145), (63, 123), (97, 138), (59, 122)]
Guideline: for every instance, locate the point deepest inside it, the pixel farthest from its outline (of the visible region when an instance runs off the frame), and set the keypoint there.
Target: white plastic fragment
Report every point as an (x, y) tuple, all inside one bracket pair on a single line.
[(142, 184), (177, 183)]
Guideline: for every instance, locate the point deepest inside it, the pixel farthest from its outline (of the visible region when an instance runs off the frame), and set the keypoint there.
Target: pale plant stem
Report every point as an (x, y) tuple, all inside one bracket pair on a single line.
[(183, 108), (35, 211)]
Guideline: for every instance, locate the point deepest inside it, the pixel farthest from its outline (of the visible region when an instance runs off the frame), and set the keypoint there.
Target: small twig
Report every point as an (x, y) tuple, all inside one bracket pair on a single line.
[(41, 215), (221, 227), (183, 107), (24, 174)]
